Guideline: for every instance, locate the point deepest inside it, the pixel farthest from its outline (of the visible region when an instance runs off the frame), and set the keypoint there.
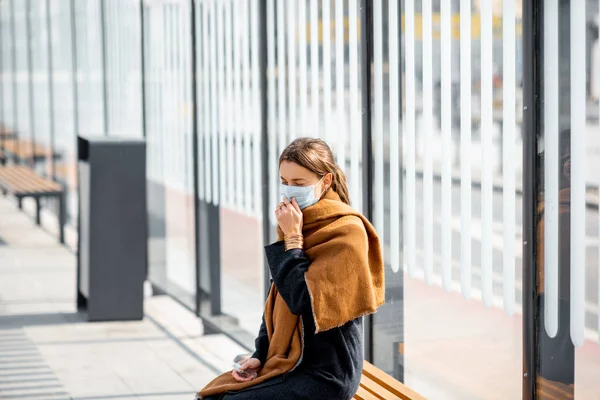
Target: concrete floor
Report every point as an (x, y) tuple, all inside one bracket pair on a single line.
[(48, 351)]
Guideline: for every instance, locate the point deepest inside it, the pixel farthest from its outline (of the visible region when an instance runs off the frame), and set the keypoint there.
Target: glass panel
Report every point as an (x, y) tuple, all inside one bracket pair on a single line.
[(63, 103), (22, 98), (170, 167), (90, 75), (568, 210), (38, 25), (8, 101), (445, 101), (123, 67)]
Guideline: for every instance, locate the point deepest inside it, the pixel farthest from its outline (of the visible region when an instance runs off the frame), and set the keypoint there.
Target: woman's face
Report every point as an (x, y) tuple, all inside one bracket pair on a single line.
[(293, 174)]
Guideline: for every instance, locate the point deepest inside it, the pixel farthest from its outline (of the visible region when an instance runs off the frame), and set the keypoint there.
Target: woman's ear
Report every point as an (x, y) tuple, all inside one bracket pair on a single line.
[(327, 181)]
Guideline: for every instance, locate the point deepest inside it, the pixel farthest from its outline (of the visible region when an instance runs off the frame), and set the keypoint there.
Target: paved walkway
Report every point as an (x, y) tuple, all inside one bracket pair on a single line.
[(48, 352)]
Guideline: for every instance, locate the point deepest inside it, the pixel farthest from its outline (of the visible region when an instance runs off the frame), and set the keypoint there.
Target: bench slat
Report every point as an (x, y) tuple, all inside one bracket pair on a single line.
[(377, 390), (363, 394), (25, 149), (21, 180), (389, 383)]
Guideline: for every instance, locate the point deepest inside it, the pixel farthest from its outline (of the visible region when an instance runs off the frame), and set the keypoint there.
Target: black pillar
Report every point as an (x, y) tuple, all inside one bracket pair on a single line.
[(366, 62), (532, 124)]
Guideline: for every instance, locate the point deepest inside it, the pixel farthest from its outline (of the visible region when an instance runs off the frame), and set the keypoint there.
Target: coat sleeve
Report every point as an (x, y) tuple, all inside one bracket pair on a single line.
[(261, 344), (287, 269)]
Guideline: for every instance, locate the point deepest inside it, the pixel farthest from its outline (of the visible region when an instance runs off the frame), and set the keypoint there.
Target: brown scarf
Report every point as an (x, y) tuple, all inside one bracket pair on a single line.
[(345, 280)]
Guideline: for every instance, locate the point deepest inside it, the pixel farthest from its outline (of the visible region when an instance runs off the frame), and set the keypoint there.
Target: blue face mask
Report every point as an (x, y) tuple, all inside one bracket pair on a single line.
[(304, 195)]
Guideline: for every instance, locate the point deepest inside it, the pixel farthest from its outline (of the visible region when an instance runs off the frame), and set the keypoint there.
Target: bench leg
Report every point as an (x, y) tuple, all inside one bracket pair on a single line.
[(38, 208), (20, 202), (62, 211)]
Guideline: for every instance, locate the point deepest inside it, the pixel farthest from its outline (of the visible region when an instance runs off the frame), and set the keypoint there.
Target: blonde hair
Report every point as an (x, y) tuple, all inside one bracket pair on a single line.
[(316, 156)]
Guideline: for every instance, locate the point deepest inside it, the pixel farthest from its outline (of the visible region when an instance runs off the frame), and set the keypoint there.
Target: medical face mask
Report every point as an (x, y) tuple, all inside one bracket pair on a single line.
[(304, 195)]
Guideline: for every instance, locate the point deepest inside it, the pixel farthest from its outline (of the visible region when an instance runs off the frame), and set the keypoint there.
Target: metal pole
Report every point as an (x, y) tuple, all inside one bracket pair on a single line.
[(104, 73), (14, 66), (30, 72), (143, 65), (50, 90), (80, 299), (194, 67), (366, 55), (532, 124), (264, 133)]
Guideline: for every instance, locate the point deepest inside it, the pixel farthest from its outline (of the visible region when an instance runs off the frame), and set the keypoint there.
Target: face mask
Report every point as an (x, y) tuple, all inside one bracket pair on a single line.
[(304, 195)]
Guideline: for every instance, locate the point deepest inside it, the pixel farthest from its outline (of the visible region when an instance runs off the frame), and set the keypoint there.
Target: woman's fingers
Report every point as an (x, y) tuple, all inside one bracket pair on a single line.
[(295, 204), (240, 378)]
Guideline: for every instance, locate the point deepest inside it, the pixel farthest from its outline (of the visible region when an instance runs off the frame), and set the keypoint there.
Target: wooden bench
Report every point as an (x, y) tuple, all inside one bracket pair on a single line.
[(22, 182), (7, 134), (26, 150), (377, 385), (374, 384)]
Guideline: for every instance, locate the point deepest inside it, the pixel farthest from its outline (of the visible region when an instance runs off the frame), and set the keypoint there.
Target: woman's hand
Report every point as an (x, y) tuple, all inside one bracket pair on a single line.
[(289, 217), (252, 366)]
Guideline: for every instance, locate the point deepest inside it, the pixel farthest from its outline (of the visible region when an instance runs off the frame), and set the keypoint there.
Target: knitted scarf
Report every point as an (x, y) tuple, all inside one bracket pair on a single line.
[(345, 280)]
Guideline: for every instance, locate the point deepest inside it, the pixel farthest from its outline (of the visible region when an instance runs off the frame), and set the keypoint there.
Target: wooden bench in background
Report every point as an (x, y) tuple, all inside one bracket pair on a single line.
[(26, 150), (377, 385), (22, 182)]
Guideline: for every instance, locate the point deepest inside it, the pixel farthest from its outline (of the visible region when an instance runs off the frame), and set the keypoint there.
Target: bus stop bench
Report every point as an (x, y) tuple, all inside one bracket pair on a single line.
[(377, 385), (374, 384), (22, 182)]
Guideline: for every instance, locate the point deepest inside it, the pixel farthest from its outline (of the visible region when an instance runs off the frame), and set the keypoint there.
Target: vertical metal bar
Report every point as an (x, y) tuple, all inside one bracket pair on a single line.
[(143, 67), (326, 35), (281, 74), (30, 72), (532, 123), (303, 82), (378, 169), (340, 62), (486, 132), (257, 124), (427, 136), (14, 66), (74, 66), (51, 90), (2, 119), (272, 113), (395, 110), (410, 230), (446, 125), (195, 155), (314, 66), (264, 133), (366, 53), (508, 170), (105, 107), (578, 170), (465, 145), (291, 64), (355, 123)]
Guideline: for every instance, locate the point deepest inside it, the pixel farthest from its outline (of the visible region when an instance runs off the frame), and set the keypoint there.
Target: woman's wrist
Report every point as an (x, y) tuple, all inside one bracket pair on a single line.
[(293, 241)]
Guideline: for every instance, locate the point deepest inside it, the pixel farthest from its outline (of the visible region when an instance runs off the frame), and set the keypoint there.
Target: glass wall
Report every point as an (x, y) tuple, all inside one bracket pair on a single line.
[(447, 195), (21, 81), (169, 133), (63, 101), (40, 85), (568, 240)]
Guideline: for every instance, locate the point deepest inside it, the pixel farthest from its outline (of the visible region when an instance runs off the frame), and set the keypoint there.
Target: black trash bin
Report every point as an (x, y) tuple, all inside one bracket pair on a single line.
[(112, 250)]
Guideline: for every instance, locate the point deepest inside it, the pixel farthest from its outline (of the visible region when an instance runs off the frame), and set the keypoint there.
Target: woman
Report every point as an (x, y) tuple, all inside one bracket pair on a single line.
[(327, 271)]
